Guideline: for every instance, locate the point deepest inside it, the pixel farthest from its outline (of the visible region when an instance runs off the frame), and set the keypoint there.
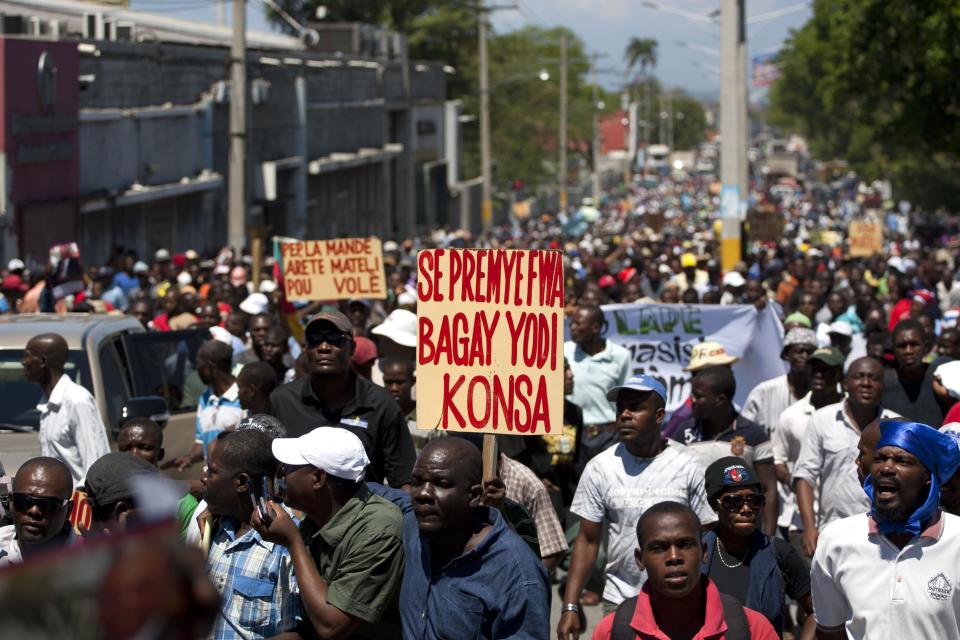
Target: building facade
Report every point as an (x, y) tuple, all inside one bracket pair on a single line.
[(114, 132)]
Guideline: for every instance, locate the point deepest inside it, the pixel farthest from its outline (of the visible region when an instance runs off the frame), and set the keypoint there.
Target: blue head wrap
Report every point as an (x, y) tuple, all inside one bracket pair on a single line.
[(936, 451)]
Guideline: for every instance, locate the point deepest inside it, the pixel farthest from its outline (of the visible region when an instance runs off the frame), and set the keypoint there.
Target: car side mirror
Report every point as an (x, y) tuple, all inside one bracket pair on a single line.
[(150, 407)]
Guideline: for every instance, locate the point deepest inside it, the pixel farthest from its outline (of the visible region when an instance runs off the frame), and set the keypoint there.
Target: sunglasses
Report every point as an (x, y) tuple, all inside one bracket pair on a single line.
[(735, 503), (333, 338), (23, 502), (280, 481)]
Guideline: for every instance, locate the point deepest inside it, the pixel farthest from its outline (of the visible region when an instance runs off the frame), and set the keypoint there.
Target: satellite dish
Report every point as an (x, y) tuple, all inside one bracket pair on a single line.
[(309, 37)]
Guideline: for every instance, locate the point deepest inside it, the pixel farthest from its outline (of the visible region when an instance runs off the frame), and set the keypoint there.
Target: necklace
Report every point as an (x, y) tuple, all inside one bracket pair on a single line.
[(720, 554)]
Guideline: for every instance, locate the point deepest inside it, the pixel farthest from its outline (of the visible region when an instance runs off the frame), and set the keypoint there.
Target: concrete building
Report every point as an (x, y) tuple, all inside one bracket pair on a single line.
[(114, 132)]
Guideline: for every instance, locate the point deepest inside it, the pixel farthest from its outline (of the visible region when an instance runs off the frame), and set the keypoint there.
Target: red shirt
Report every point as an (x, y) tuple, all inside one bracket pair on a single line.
[(953, 415), (899, 311), (714, 626)]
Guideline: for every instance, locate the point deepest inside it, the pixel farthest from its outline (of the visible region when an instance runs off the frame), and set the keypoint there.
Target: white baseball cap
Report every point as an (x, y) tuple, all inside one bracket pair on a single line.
[(141, 267), (255, 304), (400, 326), (336, 451), (16, 264), (948, 374), (841, 327), (733, 279), (184, 278)]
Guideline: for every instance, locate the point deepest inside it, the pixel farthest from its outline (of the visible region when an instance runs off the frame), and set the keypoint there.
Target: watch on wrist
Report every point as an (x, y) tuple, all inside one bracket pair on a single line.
[(570, 607)]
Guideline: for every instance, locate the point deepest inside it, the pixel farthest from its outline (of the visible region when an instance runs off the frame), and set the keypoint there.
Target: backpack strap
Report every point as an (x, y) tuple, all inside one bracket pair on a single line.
[(738, 627), (621, 629)]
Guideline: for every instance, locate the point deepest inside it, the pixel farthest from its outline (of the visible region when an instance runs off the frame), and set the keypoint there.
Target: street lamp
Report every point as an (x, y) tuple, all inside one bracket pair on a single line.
[(544, 75)]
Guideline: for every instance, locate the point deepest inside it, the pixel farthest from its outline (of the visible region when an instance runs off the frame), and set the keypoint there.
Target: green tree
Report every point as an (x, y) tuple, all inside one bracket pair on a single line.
[(641, 53), (871, 81)]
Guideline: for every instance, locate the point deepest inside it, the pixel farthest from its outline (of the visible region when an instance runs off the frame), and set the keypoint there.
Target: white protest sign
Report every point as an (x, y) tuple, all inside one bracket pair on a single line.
[(660, 338)]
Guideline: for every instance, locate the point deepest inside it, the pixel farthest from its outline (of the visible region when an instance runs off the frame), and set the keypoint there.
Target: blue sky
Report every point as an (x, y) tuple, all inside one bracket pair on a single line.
[(604, 25)]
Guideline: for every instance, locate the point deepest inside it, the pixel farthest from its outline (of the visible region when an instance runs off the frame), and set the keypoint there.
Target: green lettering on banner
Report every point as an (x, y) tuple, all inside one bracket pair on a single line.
[(660, 320)]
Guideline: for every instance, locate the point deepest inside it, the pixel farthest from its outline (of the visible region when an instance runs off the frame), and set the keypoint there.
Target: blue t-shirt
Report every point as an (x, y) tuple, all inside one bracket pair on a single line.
[(126, 282)]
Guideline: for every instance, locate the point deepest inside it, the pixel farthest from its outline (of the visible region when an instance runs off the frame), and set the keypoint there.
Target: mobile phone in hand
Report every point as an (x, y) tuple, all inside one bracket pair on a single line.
[(259, 505)]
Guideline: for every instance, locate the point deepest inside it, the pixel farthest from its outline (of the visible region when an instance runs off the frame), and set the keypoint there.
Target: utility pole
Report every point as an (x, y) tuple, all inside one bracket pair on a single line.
[(732, 121), (221, 13), (486, 211), (595, 176), (562, 169), (662, 137), (237, 204), (670, 123), (743, 168)]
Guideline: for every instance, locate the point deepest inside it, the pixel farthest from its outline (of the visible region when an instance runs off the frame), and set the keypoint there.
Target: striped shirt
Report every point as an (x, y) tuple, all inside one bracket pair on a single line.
[(616, 487), (787, 441), (258, 592), (523, 486), (71, 428), (767, 401)]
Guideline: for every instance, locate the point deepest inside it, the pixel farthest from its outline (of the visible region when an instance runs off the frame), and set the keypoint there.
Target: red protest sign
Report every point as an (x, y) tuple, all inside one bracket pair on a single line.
[(490, 340), (333, 269)]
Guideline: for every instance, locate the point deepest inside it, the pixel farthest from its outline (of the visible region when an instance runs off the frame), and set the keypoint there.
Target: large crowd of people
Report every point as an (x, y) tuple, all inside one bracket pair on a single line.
[(826, 505)]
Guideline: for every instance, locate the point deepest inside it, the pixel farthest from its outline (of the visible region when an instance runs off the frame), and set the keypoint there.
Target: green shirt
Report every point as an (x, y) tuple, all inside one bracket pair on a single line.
[(359, 553), (185, 509)]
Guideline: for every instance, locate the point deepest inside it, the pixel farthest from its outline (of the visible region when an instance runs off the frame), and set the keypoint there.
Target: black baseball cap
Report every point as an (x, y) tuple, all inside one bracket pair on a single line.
[(337, 319), (728, 472), (108, 479)]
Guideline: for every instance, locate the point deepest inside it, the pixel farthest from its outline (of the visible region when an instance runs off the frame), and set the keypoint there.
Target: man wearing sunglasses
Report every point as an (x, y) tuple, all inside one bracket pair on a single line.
[(332, 395), (741, 561), (41, 504)]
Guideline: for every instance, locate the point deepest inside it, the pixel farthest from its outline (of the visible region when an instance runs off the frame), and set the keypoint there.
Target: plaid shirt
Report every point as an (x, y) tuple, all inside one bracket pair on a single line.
[(258, 592), (523, 486)]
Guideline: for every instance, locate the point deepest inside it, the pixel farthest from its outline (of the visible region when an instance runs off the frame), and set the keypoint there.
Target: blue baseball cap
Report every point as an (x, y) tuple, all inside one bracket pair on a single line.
[(639, 383)]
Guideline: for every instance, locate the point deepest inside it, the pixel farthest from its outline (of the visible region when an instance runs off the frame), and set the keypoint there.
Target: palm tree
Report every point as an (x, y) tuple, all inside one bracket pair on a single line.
[(642, 53)]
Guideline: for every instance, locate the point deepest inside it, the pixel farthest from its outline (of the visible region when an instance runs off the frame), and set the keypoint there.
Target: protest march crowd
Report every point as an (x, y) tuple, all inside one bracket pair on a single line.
[(822, 501)]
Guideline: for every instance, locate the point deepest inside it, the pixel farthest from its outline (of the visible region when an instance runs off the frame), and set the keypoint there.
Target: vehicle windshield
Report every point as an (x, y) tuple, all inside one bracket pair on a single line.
[(19, 398)]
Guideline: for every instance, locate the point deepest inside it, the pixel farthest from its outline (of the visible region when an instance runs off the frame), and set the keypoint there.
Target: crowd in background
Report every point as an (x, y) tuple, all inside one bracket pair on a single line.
[(715, 519)]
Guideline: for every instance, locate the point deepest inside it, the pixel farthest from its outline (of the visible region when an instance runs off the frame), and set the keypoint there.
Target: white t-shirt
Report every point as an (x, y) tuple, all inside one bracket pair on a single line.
[(617, 487), (863, 581)]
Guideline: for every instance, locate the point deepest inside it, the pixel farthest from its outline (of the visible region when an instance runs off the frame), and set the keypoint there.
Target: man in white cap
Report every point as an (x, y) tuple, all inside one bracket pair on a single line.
[(396, 339), (348, 552), (331, 394), (733, 284)]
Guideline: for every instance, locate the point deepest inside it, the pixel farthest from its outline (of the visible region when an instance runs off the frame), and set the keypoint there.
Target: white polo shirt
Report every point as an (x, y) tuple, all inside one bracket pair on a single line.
[(863, 581)]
